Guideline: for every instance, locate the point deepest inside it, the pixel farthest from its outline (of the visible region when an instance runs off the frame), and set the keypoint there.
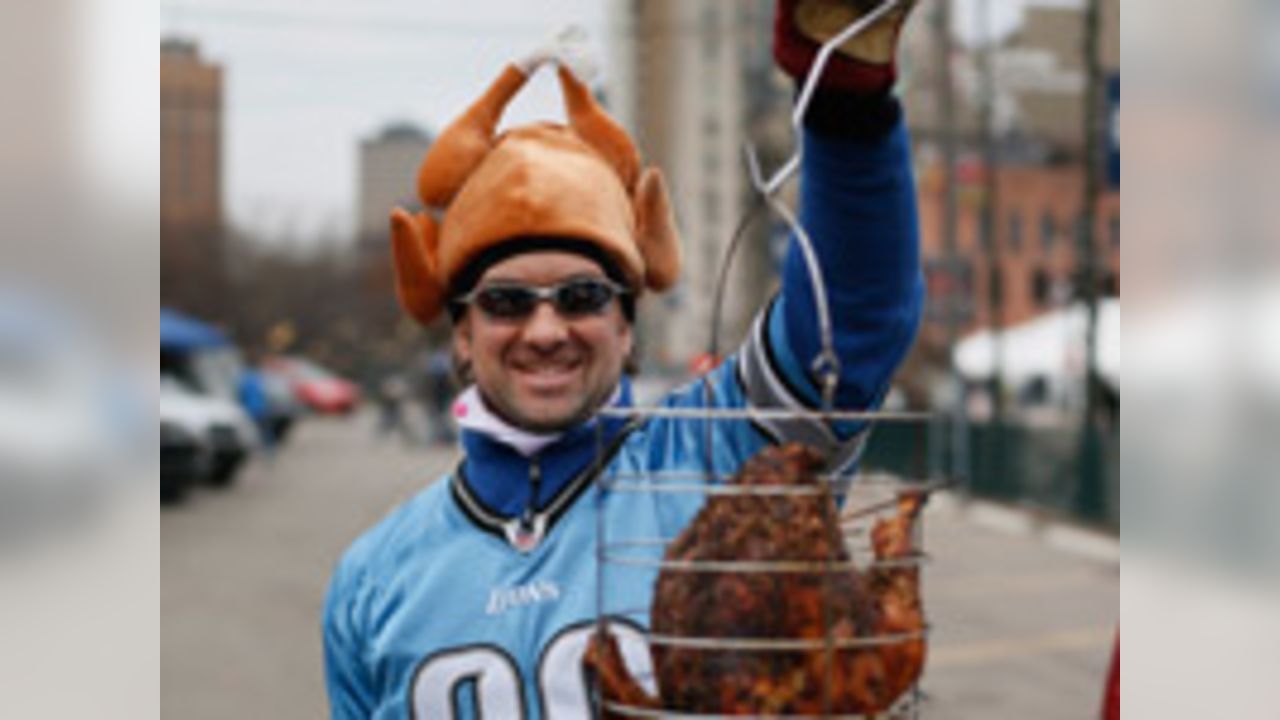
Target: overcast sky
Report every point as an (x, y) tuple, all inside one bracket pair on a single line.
[(305, 81)]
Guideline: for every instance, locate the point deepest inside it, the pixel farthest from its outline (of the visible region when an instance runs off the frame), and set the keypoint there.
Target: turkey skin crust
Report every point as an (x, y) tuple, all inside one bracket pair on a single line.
[(804, 589)]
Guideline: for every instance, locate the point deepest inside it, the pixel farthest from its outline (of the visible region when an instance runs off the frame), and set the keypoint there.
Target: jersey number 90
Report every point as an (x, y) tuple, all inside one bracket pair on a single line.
[(486, 678)]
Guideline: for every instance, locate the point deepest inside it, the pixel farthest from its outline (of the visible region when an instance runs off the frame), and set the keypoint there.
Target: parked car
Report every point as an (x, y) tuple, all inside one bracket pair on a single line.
[(184, 459), (223, 427), (205, 359), (317, 387)]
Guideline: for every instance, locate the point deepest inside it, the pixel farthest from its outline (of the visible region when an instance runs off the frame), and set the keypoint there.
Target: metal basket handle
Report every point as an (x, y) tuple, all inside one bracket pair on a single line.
[(826, 365)]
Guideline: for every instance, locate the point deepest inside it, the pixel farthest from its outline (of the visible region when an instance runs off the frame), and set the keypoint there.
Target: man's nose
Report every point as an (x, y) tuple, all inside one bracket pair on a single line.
[(545, 328)]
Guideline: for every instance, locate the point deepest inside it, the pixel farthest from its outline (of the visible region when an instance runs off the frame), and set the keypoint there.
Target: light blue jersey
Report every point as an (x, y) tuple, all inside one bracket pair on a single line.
[(476, 598)]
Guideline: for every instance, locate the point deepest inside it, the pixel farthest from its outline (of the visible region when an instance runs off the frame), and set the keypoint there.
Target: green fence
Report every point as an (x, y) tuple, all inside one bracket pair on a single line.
[(1057, 470)]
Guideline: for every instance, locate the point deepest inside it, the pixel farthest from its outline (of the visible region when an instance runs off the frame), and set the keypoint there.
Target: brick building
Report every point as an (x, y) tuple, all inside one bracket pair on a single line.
[(193, 273), (190, 136), (1036, 246)]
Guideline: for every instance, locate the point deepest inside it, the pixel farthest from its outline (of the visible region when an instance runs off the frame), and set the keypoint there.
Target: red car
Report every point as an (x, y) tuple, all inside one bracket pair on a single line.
[(316, 387)]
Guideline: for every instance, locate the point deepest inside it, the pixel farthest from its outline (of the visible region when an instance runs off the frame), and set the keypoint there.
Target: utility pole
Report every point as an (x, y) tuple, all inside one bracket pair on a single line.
[(993, 449), (946, 133), (990, 206), (1090, 495)]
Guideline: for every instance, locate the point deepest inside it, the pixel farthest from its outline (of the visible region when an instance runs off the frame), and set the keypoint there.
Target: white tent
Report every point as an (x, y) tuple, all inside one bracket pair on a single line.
[(1051, 347)]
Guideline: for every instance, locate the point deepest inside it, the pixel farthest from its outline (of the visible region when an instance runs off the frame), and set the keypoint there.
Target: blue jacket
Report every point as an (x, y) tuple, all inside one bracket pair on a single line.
[(476, 597)]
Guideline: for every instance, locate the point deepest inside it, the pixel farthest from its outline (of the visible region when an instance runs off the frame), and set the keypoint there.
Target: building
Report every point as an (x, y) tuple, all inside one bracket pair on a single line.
[(388, 177), (190, 136), (193, 272), (694, 81), (1038, 75), (1037, 248), (1039, 79)]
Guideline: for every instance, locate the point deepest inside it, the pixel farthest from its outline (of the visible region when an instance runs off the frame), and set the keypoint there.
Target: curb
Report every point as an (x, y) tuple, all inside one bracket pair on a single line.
[(1060, 535)]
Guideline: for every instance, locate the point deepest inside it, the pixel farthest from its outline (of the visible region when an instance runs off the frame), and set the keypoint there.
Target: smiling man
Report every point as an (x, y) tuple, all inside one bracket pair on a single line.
[(544, 366), (477, 597)]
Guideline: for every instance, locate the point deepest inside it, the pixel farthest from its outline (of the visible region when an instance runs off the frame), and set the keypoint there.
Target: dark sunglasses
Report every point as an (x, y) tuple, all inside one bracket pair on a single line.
[(574, 298)]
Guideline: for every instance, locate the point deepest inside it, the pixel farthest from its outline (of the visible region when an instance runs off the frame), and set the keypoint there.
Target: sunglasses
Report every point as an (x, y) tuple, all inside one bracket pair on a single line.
[(576, 298)]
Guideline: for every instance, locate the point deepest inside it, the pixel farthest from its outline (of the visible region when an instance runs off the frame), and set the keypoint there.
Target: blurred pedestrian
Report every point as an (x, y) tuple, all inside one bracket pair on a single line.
[(393, 393), (439, 389), (251, 391)]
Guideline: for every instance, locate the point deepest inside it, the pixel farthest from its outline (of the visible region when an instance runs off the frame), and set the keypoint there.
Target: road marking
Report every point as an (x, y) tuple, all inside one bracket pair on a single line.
[(994, 651)]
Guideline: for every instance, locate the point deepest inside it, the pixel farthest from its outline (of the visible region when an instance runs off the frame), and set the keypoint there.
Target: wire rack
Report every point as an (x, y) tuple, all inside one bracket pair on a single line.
[(858, 501), (628, 558)]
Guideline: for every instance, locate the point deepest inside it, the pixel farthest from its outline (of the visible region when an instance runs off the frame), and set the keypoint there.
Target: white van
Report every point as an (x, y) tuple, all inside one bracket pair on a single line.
[(222, 427)]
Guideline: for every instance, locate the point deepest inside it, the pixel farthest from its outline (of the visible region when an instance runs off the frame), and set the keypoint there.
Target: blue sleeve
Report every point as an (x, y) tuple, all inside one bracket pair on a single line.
[(858, 204), (346, 678)]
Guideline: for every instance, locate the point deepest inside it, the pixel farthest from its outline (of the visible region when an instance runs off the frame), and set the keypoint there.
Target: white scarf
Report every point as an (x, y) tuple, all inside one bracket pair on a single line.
[(471, 413)]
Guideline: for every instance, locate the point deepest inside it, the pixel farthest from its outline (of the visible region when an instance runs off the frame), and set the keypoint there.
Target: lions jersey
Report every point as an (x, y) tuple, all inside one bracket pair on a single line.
[(476, 598)]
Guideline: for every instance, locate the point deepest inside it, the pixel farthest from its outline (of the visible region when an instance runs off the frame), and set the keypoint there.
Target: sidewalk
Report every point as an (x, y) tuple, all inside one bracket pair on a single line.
[(1022, 614)]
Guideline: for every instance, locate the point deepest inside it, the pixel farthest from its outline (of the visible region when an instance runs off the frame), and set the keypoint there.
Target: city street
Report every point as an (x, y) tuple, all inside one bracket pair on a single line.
[(1022, 626)]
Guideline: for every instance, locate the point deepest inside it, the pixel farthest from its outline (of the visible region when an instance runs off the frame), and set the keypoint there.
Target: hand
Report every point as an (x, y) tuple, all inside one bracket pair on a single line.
[(865, 63)]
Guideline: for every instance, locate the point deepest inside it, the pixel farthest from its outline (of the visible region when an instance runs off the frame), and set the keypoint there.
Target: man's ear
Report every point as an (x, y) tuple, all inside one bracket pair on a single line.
[(628, 338), (460, 351), (461, 338)]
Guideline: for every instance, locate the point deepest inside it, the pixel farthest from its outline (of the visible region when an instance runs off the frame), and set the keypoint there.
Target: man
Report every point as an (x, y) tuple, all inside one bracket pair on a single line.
[(477, 597)]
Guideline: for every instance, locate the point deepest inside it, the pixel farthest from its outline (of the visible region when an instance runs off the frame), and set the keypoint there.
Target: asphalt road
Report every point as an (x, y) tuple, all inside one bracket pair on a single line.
[(243, 570), (1020, 628)]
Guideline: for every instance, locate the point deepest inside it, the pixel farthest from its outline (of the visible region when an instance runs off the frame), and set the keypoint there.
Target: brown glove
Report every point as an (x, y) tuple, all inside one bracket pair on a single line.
[(864, 64)]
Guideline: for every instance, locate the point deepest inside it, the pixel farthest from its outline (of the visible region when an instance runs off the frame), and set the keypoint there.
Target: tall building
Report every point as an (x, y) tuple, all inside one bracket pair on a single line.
[(388, 177), (193, 272), (190, 136), (695, 81)]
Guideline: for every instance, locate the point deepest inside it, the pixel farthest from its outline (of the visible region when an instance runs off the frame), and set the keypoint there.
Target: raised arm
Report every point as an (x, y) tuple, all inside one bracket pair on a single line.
[(857, 203)]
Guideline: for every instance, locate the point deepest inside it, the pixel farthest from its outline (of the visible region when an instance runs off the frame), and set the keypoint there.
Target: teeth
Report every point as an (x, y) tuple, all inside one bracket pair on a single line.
[(549, 368)]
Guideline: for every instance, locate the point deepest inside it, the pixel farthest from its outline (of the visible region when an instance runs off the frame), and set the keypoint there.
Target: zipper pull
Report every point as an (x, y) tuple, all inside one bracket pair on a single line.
[(525, 532)]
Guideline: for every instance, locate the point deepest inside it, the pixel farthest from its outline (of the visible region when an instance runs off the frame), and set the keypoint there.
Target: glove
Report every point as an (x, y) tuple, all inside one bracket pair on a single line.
[(865, 64)]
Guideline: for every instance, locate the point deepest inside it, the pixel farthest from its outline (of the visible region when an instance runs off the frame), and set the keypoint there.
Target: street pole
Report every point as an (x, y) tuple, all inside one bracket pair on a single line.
[(1090, 494), (990, 206), (946, 122), (993, 449)]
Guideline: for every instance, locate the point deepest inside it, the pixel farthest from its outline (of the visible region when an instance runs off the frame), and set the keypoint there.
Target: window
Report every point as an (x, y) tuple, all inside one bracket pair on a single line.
[(1015, 231), (996, 291), (1111, 285), (1040, 287), (1048, 230)]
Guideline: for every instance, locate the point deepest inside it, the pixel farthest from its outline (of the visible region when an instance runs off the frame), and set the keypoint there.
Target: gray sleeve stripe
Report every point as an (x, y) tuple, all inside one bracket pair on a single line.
[(764, 387)]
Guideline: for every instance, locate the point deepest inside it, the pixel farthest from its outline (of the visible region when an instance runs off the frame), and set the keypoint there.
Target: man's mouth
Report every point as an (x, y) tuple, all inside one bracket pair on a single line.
[(549, 376)]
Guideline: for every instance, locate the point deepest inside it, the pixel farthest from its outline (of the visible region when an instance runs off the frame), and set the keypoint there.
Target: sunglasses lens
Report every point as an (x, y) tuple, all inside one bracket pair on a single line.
[(583, 297), (576, 298), (506, 302)]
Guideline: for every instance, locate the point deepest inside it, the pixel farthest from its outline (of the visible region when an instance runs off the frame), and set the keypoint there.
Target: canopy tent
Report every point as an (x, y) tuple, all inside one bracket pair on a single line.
[(1049, 346), (180, 332)]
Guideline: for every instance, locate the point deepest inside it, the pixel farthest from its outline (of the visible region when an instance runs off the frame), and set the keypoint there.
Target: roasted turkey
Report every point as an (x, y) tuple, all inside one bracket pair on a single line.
[(819, 595)]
